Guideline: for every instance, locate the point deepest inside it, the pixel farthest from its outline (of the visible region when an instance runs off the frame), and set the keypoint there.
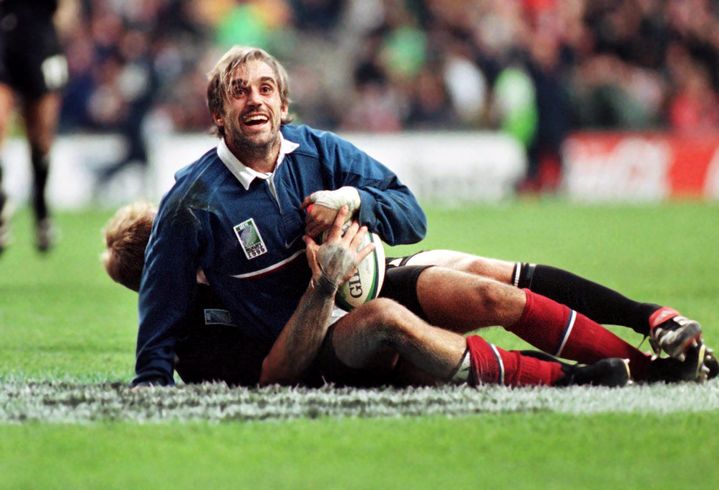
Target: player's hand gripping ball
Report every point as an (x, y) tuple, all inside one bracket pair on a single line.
[(366, 282)]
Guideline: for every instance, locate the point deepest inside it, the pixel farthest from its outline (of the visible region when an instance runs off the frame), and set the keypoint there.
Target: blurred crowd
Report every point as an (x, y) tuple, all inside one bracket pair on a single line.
[(536, 69)]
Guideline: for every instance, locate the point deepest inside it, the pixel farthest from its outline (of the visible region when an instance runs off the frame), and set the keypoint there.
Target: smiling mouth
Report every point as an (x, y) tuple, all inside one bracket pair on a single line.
[(255, 120)]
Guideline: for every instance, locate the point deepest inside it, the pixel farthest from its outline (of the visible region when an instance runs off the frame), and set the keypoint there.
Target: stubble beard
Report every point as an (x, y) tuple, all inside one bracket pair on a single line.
[(249, 149)]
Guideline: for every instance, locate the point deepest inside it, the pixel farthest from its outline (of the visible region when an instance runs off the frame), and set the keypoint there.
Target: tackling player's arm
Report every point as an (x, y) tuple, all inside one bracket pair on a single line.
[(332, 263)]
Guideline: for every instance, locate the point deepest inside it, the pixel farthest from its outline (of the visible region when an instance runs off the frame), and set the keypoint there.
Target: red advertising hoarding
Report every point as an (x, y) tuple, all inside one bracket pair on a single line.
[(642, 166)]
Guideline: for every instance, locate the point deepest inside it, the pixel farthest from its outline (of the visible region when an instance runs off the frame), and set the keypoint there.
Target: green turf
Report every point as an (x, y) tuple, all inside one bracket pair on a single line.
[(60, 314), (493, 451), (61, 318)]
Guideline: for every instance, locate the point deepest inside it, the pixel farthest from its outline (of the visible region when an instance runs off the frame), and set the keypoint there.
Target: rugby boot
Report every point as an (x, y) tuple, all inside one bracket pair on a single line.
[(672, 333), (612, 372), (711, 365), (692, 368), (44, 235)]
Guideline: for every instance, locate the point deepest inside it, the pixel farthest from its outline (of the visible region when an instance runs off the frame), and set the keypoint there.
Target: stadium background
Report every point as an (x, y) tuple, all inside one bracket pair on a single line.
[(530, 87), (628, 88)]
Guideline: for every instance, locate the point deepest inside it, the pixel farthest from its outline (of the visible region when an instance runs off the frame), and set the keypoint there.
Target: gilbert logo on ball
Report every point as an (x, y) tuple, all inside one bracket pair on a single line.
[(367, 280)]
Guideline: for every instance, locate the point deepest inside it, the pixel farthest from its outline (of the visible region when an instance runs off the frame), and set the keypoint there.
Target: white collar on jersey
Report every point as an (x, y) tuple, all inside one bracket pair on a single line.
[(244, 173)]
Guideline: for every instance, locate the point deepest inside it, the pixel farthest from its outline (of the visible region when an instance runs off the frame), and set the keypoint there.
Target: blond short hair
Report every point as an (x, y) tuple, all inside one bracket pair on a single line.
[(126, 236), (220, 78)]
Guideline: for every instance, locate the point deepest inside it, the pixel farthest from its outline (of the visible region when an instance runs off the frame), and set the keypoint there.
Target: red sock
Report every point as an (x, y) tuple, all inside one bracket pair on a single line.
[(562, 332), (493, 365)]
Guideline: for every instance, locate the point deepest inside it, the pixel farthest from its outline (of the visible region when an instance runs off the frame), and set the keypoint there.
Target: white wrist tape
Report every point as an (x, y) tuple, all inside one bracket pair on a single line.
[(336, 199)]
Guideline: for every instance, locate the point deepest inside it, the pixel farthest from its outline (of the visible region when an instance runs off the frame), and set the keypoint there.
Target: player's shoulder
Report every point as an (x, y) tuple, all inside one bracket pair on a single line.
[(315, 142), (310, 138), (202, 174), (196, 181)]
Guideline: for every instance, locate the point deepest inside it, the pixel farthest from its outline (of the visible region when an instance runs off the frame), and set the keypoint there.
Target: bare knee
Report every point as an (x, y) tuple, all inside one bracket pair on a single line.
[(382, 312), (367, 337), (500, 303), (387, 321)]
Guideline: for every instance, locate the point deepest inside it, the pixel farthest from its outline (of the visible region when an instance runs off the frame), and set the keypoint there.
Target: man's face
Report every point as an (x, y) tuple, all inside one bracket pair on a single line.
[(254, 109)]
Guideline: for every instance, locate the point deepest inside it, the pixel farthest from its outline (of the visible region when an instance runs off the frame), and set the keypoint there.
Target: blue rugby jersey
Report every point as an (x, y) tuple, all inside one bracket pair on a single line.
[(249, 242)]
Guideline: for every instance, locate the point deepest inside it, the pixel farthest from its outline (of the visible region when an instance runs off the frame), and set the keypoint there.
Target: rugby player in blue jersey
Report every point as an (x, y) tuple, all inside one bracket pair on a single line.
[(240, 214), (237, 213)]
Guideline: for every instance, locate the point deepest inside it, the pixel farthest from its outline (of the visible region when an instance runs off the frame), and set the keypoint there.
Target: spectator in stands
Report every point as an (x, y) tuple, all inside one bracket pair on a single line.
[(138, 84), (619, 76), (553, 115)]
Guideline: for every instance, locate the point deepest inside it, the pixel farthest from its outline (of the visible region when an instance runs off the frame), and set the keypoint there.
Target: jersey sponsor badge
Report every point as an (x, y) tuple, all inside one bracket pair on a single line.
[(250, 239)]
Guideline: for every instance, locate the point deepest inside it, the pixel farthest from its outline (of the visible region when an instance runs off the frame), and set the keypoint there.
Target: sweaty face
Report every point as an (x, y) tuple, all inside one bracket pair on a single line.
[(253, 110)]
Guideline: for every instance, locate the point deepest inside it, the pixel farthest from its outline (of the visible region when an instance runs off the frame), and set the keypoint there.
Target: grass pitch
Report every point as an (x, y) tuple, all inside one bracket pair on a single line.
[(67, 419)]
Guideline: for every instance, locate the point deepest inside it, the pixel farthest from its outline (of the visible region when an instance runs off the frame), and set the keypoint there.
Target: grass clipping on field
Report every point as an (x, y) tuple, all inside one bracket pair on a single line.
[(72, 402)]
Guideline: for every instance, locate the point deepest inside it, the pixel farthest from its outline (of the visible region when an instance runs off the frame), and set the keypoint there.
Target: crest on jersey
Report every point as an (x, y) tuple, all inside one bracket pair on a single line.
[(250, 239)]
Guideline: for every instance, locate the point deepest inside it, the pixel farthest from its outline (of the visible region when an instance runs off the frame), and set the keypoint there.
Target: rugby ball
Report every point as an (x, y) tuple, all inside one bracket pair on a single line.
[(366, 282)]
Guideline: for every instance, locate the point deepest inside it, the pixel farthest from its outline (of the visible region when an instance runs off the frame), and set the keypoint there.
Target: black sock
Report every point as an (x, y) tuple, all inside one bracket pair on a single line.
[(41, 168), (601, 304)]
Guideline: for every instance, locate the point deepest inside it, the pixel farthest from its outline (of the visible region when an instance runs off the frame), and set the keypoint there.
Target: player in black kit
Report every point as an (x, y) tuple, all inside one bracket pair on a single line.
[(33, 69)]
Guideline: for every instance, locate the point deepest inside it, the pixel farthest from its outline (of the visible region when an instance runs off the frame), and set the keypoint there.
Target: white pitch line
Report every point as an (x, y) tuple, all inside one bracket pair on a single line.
[(68, 402)]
